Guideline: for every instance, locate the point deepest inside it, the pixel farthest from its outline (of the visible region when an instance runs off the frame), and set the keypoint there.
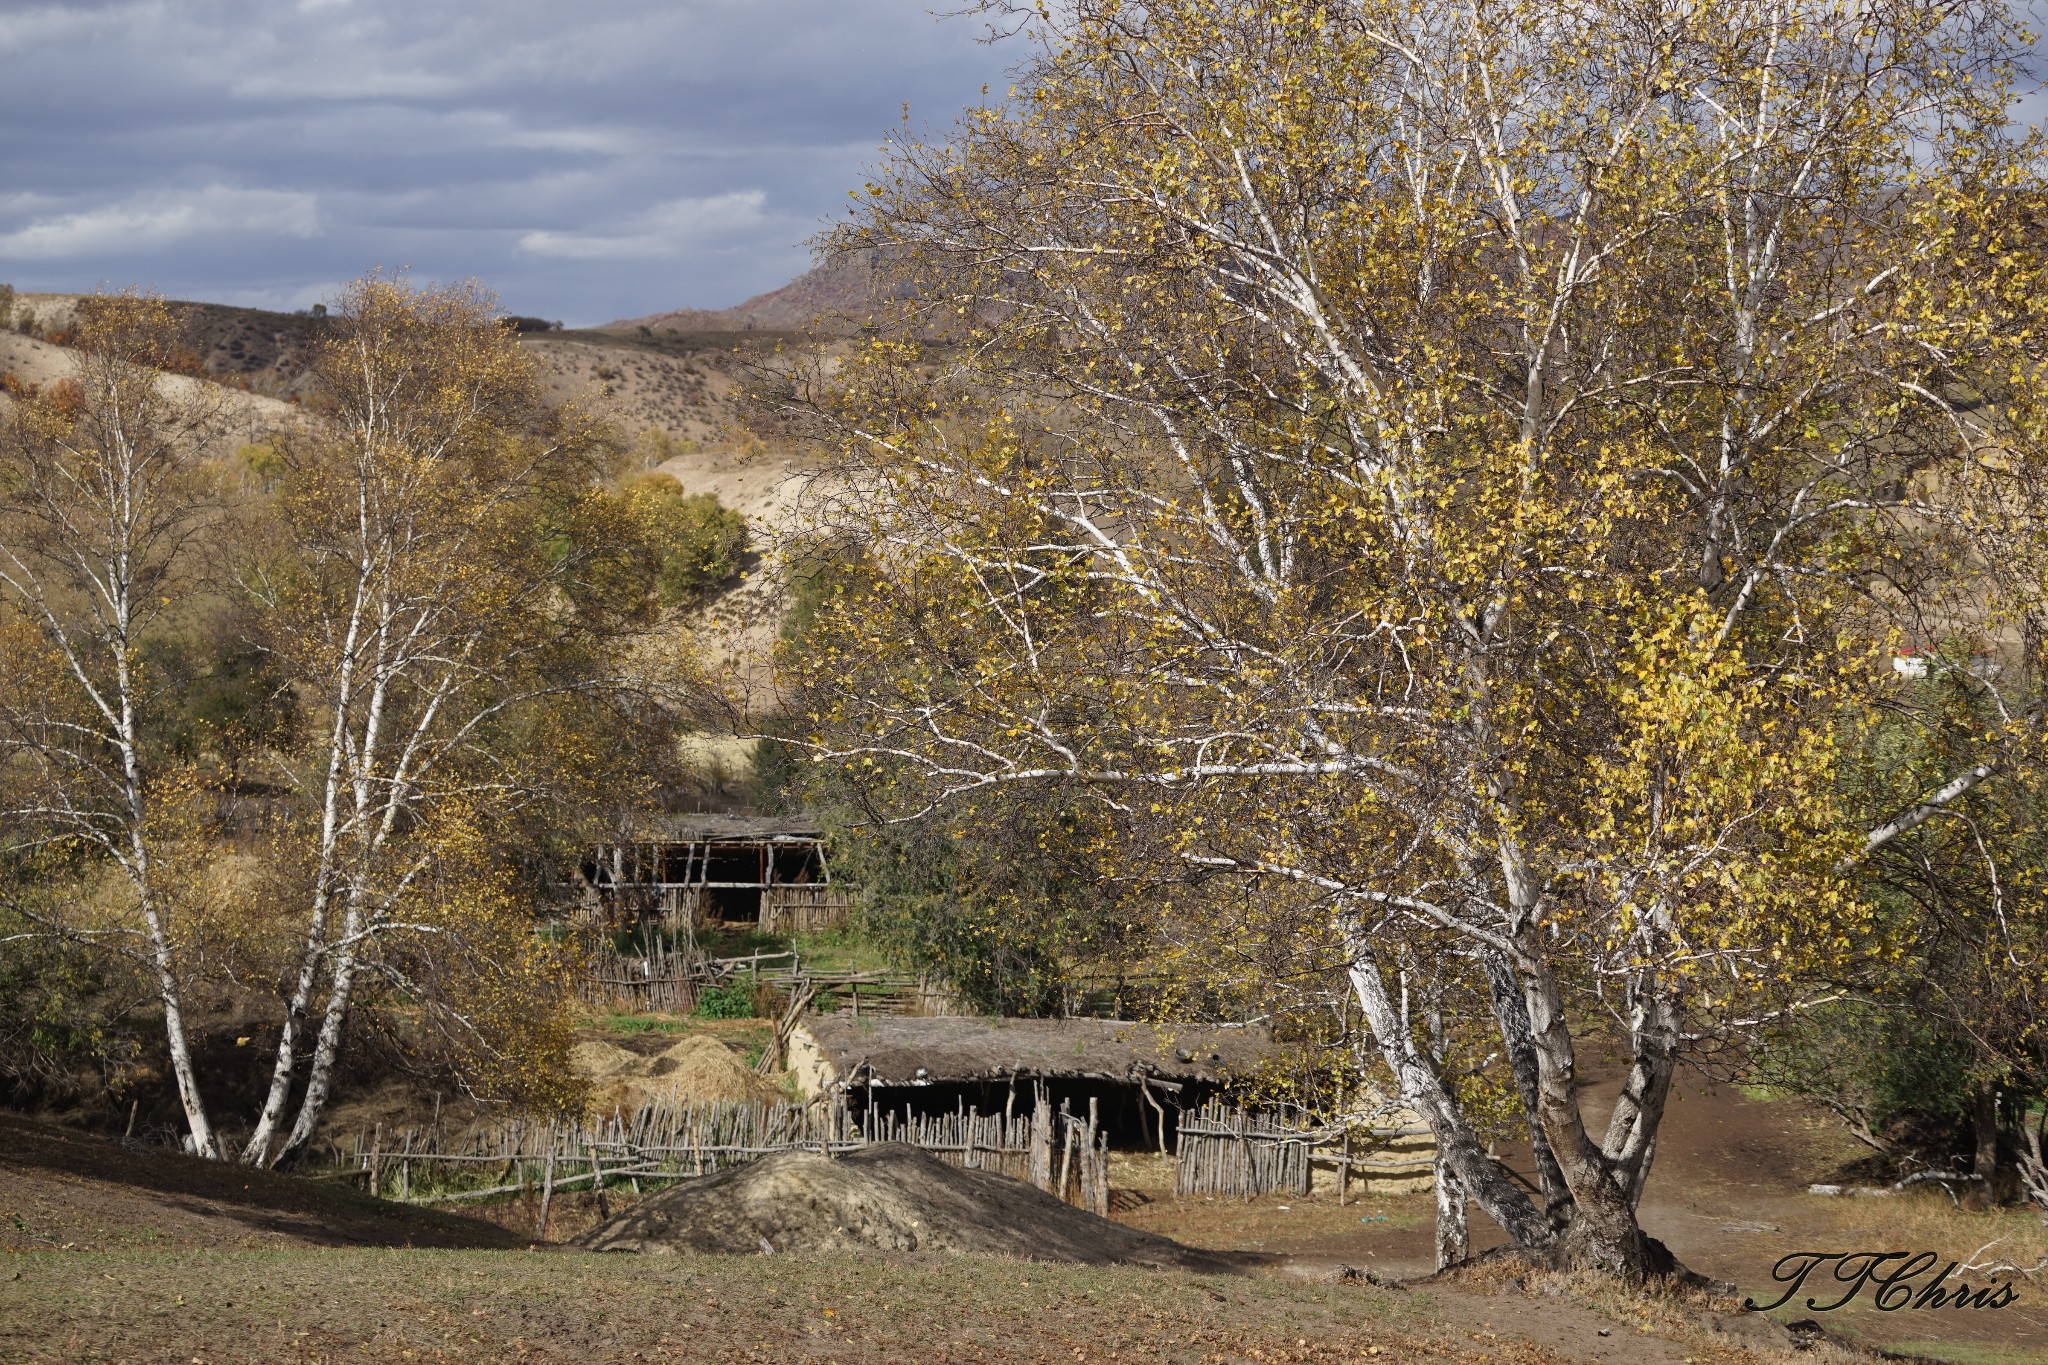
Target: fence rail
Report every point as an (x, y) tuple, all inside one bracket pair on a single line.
[(670, 980)]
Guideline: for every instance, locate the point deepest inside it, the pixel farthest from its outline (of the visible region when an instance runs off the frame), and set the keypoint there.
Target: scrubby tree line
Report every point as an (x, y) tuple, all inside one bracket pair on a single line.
[(1445, 485), (290, 734)]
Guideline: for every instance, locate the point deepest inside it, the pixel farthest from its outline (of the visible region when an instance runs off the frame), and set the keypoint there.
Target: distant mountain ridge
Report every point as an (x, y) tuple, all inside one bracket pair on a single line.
[(835, 296)]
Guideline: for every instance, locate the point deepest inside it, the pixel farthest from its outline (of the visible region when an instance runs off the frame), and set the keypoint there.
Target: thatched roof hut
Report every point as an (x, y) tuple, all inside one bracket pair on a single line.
[(834, 1051)]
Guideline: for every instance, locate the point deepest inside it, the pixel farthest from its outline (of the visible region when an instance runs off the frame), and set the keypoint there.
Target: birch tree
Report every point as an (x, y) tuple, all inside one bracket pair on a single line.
[(102, 501), (1452, 466), (415, 612)]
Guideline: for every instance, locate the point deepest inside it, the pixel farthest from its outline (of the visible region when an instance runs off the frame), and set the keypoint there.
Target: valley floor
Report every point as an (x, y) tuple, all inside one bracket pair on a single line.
[(109, 1253)]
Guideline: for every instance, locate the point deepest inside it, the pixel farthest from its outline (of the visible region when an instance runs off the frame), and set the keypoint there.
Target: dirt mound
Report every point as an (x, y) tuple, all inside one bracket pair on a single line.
[(65, 1190), (892, 1196), (693, 1068)]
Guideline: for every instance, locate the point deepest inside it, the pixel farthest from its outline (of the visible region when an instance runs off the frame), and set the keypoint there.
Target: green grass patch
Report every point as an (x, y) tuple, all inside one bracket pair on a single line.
[(643, 1023), (739, 941), (842, 950), (734, 1000)]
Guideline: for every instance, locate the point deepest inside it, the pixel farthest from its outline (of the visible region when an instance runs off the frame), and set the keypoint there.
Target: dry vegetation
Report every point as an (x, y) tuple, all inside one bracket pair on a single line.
[(104, 1243), (350, 1306)]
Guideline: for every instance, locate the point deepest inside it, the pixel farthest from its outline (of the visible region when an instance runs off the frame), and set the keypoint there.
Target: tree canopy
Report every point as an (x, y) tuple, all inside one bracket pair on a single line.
[(296, 753), (1457, 469)]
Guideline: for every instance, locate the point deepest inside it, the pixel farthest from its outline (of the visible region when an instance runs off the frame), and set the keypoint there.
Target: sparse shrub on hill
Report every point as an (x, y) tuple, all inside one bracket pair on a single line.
[(699, 543), (264, 460), (654, 447)]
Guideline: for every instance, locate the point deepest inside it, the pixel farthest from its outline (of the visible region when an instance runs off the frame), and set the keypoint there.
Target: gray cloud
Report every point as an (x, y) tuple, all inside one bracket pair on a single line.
[(606, 159)]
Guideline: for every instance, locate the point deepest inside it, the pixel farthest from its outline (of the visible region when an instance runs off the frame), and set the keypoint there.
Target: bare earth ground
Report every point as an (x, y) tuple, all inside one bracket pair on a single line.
[(1728, 1195), (64, 1192), (111, 1255), (490, 1307)]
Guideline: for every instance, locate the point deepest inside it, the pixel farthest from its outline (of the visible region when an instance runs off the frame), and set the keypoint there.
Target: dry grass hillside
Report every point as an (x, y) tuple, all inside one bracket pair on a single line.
[(673, 395), (684, 384), (29, 360)]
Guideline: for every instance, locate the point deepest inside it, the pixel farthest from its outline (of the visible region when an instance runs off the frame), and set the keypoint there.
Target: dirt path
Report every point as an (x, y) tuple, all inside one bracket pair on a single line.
[(1728, 1195)]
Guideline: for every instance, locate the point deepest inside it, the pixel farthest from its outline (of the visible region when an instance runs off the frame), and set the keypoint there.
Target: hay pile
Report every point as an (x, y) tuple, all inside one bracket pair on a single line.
[(694, 1068), (892, 1196)]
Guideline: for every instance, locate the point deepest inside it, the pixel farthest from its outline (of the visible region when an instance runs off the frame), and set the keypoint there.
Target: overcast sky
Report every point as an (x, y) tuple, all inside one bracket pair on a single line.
[(587, 159)]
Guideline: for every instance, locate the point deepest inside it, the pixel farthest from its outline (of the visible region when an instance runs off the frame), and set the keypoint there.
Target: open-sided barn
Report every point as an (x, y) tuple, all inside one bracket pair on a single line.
[(1141, 1076), (765, 869)]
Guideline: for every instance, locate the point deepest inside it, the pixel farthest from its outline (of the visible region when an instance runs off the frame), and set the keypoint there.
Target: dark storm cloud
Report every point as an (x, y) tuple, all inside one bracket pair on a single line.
[(588, 161)]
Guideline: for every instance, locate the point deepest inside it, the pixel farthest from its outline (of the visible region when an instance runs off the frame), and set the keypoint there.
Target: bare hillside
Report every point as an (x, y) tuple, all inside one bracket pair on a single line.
[(832, 297), (683, 385), (246, 348)]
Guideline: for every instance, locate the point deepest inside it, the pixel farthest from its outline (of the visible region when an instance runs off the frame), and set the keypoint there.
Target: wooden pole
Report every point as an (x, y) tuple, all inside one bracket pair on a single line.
[(1041, 1141), (1096, 1163), (547, 1185), (1066, 1150)]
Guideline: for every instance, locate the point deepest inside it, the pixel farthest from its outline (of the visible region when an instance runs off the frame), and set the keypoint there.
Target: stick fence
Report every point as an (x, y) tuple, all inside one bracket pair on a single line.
[(1226, 1151), (670, 980), (664, 1141)]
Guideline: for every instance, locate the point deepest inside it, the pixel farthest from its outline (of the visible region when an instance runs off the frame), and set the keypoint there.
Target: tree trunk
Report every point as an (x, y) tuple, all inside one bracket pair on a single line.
[(320, 1078), (199, 1128), (314, 952), (1601, 1232), (1511, 1014), (1422, 1090), (1639, 1111), (257, 1150), (1986, 1115), (1453, 1238)]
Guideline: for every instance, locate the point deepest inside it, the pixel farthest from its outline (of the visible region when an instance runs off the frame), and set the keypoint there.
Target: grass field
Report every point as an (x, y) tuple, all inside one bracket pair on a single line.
[(398, 1305)]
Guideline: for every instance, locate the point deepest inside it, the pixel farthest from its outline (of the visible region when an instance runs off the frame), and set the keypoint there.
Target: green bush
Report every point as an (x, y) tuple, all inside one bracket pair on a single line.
[(646, 545), (734, 1000), (698, 543)]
